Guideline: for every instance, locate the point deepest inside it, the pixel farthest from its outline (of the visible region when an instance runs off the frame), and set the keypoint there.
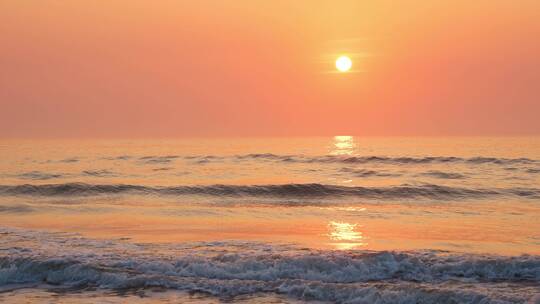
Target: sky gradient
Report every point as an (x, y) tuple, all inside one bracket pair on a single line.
[(249, 68)]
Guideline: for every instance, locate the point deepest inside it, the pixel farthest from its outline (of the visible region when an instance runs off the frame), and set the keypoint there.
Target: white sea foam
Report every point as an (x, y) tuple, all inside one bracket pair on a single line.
[(229, 269)]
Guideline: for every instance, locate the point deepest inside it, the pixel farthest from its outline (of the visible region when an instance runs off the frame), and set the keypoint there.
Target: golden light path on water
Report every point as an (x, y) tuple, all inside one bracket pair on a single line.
[(343, 145), (345, 235)]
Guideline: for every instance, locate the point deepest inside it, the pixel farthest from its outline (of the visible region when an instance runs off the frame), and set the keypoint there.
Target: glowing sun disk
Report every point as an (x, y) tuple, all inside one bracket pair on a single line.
[(343, 63)]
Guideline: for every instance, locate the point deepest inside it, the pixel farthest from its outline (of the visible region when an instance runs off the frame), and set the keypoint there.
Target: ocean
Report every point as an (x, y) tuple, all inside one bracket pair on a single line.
[(339, 219)]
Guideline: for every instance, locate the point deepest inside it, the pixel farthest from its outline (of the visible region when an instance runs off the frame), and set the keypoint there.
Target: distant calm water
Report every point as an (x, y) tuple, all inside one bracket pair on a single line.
[(271, 220)]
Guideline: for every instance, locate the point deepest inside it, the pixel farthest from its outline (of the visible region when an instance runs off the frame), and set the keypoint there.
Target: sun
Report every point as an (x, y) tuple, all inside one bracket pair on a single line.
[(343, 63)]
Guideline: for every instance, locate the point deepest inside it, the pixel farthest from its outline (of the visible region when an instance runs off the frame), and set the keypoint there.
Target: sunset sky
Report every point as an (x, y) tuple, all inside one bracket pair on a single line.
[(248, 68)]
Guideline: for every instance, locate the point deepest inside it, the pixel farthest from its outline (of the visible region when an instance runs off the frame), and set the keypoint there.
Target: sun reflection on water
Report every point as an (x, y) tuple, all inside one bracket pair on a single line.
[(345, 235), (343, 145)]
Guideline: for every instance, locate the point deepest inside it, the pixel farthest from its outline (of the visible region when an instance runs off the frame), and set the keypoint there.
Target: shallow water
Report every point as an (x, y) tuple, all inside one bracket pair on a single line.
[(343, 219)]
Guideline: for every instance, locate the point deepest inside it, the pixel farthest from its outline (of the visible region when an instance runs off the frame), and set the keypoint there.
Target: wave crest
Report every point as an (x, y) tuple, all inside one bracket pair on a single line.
[(228, 269), (284, 190), (380, 159)]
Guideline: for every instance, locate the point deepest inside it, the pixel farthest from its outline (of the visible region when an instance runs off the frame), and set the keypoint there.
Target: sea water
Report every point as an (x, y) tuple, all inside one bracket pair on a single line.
[(270, 220)]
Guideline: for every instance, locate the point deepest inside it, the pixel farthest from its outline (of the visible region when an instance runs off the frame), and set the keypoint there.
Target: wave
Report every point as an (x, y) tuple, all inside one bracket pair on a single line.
[(368, 173), (428, 191), (443, 175), (158, 159), (15, 209), (120, 157), (299, 158), (99, 173), (37, 175), (228, 269), (67, 160), (163, 169), (381, 159)]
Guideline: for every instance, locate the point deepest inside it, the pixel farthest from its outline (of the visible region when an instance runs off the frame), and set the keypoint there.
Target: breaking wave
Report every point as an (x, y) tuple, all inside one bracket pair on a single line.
[(429, 191), (228, 269)]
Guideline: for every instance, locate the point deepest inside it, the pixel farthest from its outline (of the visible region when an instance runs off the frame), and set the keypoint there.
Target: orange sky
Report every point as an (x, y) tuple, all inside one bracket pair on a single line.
[(240, 68)]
